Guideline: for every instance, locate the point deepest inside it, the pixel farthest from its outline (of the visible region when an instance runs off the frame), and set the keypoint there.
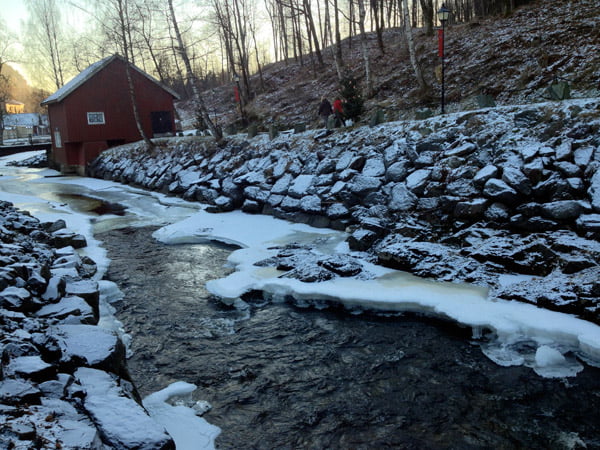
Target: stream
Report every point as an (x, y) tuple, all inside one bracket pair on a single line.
[(282, 377)]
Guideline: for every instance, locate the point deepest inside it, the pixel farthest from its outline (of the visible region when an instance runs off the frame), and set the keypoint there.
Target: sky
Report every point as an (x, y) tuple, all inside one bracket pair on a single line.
[(12, 13), (555, 335)]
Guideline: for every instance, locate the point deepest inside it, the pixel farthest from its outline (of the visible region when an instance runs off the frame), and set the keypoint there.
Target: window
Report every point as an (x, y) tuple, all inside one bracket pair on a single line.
[(95, 118), (57, 139)]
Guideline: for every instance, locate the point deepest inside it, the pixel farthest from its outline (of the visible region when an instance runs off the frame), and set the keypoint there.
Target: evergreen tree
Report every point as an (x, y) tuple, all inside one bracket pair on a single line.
[(353, 106)]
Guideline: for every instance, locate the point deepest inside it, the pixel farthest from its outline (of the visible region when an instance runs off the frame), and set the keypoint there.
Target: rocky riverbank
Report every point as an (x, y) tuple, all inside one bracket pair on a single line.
[(63, 379), (469, 197)]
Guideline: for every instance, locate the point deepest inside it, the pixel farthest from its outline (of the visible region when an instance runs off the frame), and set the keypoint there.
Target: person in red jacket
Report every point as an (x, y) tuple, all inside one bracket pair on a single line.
[(338, 111)]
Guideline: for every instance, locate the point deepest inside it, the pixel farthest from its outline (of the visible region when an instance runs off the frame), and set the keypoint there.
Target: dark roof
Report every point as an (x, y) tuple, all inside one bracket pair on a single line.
[(92, 70)]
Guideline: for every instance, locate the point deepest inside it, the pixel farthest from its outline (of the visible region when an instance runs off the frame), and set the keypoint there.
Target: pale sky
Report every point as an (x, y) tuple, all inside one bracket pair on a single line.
[(12, 13)]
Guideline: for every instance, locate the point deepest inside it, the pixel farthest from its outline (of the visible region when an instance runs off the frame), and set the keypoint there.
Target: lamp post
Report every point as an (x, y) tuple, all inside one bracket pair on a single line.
[(238, 95), (442, 14)]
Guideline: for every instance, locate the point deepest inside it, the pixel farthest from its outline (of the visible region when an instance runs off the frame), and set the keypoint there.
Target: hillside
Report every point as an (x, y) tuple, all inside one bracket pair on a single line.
[(511, 58)]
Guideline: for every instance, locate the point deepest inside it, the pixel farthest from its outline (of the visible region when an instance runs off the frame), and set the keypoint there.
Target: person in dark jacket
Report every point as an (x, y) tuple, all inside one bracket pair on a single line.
[(338, 110), (325, 110)]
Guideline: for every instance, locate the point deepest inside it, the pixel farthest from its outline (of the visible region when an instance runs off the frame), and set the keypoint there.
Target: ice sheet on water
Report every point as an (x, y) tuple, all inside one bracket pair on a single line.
[(189, 431), (548, 361)]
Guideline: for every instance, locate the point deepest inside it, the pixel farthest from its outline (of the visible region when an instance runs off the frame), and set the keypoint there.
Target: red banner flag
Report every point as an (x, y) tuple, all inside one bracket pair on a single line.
[(441, 43), (236, 94)]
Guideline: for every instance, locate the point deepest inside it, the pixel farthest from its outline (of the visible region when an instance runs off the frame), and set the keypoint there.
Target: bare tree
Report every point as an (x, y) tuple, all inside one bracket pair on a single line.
[(427, 9), (193, 80), (364, 44), (45, 39), (124, 33), (411, 49), (7, 40)]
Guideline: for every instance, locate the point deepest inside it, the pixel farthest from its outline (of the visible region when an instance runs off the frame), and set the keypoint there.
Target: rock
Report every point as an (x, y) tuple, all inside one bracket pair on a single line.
[(311, 204), (532, 258), (65, 238), (342, 265), (18, 299), (88, 290), (300, 186), (471, 210), (374, 167), (527, 118), (361, 239), (397, 171), (122, 422), (344, 161), (90, 345), (589, 222), (417, 181), (251, 207), (562, 210), (517, 180), (224, 203), (594, 191), (282, 185), (568, 169), (70, 310), (552, 189), (326, 166), (534, 170), (17, 392), (30, 368), (499, 191), (462, 149), (362, 185), (337, 211), (485, 174), (583, 156), (51, 227), (401, 198), (309, 273)]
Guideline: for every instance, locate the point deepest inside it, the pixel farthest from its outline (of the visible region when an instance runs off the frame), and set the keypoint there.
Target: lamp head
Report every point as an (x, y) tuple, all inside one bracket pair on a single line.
[(443, 14)]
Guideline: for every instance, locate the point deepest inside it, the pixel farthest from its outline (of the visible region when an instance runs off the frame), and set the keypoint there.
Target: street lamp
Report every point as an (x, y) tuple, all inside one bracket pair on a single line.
[(442, 14), (238, 96)]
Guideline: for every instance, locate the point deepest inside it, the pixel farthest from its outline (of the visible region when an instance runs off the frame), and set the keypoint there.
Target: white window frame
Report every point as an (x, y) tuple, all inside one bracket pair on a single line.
[(93, 118)]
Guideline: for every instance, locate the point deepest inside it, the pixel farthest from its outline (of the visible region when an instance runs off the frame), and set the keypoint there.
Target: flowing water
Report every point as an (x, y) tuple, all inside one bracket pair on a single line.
[(280, 377)]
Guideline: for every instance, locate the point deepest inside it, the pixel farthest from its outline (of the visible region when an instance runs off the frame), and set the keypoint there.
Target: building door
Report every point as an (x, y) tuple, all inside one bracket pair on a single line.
[(162, 123)]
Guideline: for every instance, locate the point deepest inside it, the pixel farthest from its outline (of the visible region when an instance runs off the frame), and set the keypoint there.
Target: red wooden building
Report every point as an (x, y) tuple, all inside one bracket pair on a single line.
[(93, 112)]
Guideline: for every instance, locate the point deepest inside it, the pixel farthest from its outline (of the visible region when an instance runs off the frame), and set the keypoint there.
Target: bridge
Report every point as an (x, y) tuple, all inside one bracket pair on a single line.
[(20, 148)]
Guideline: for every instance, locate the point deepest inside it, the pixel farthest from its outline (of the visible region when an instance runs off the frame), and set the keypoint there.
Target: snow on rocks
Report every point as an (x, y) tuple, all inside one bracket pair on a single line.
[(464, 197), (63, 380)]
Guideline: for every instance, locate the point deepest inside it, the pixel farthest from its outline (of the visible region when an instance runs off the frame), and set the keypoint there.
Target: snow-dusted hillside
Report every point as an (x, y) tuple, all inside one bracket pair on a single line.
[(514, 59)]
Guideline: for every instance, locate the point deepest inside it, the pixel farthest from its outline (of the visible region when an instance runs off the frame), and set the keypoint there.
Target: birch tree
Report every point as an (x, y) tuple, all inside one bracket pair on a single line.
[(45, 40), (192, 79), (125, 33), (7, 41), (411, 48)]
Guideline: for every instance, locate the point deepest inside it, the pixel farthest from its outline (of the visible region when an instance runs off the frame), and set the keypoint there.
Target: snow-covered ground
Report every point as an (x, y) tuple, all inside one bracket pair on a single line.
[(558, 338)]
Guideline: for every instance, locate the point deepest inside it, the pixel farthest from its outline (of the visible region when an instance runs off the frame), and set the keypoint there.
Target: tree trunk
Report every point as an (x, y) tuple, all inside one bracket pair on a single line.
[(127, 50), (427, 8), (338, 63), (362, 13), (411, 49), (193, 81)]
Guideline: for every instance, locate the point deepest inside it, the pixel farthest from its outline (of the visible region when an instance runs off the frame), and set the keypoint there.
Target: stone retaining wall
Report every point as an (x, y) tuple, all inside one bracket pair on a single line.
[(463, 197)]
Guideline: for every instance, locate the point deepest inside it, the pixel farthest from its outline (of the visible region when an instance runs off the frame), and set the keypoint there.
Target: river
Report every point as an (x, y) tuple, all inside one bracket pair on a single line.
[(278, 376)]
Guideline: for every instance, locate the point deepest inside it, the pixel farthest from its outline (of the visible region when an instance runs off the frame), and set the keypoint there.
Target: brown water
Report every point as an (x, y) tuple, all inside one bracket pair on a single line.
[(280, 377)]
